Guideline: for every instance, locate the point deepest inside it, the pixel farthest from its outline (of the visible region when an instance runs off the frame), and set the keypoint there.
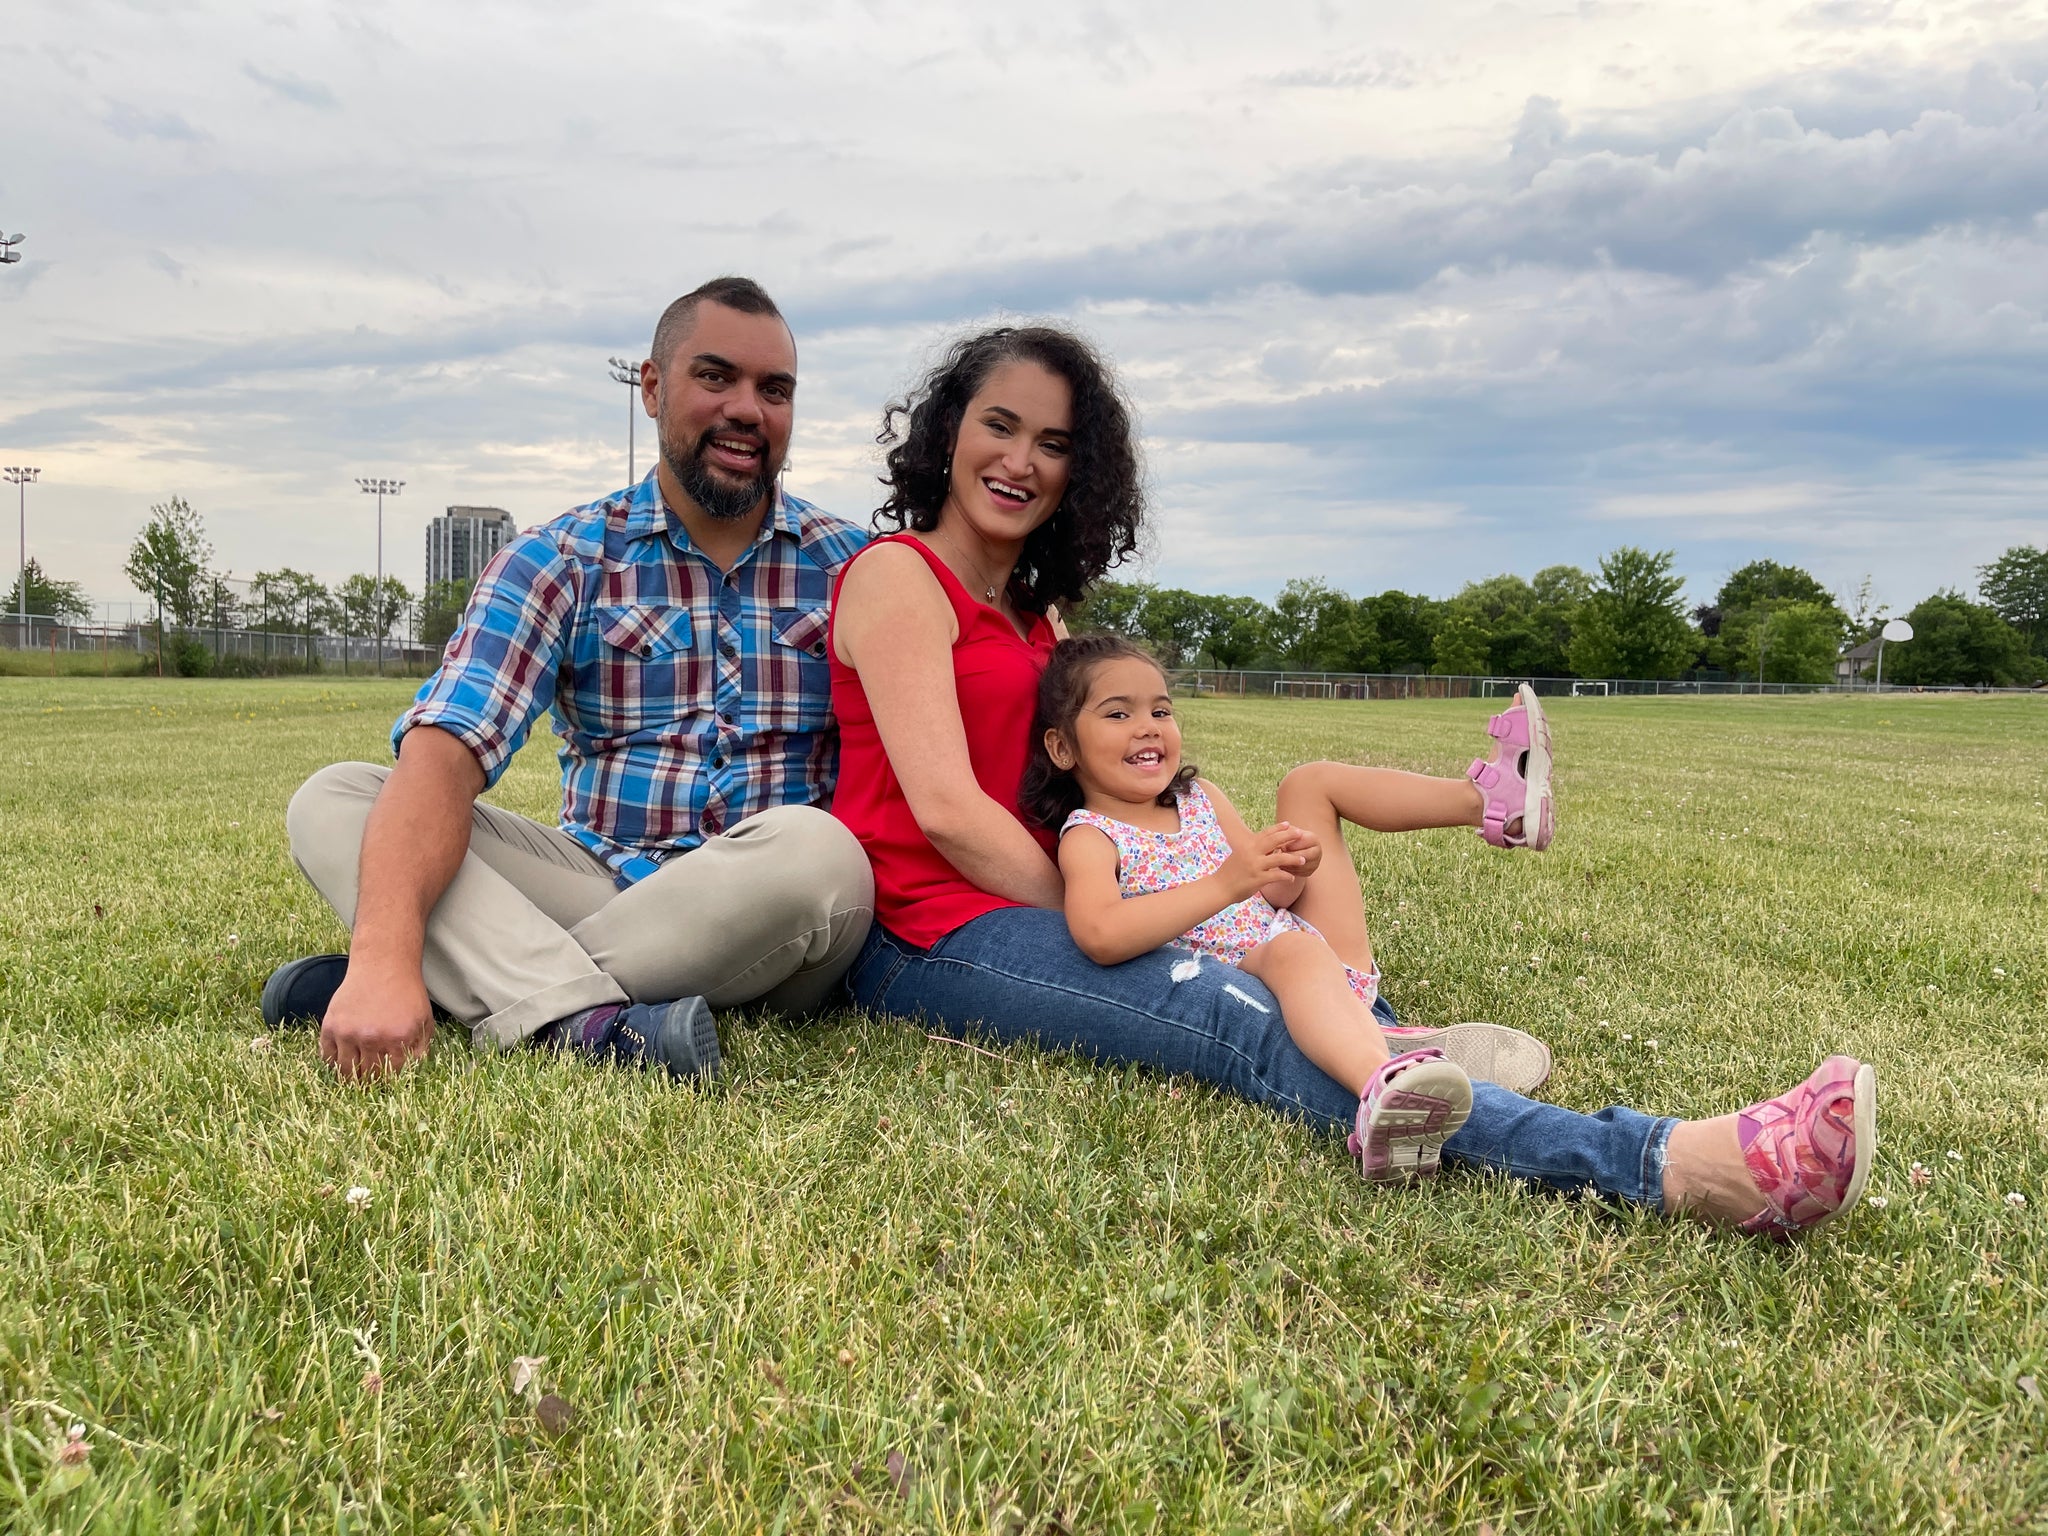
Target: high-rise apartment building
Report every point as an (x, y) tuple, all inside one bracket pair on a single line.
[(461, 542)]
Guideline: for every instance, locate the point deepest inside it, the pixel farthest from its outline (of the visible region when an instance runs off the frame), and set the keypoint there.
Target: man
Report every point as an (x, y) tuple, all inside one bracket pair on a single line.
[(677, 631)]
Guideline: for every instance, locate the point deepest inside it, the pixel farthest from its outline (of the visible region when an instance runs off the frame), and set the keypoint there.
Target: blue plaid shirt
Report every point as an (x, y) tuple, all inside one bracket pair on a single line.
[(687, 698)]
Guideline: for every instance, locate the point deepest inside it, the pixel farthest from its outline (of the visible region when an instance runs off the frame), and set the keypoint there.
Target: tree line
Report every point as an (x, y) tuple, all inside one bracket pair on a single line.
[(1768, 622)]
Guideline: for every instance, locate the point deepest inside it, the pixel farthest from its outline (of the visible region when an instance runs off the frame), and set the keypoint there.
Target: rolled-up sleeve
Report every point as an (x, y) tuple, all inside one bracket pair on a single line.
[(498, 674)]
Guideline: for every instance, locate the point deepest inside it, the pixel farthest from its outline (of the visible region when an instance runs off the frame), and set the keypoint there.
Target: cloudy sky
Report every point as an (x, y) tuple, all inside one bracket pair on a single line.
[(1406, 295)]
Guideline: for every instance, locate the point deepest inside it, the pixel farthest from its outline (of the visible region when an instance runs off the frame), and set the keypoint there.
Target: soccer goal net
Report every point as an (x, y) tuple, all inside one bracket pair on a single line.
[(1490, 686), (1585, 687), (1304, 688)]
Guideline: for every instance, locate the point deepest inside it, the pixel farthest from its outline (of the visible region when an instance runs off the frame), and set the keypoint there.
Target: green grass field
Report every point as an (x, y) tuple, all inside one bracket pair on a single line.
[(883, 1283)]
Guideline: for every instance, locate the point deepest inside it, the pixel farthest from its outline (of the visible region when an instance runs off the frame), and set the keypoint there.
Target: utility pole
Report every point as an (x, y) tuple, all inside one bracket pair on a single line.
[(624, 372), (380, 489), (20, 476)]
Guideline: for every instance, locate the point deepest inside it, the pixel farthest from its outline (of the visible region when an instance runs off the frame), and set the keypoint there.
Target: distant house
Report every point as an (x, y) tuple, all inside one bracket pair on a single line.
[(1854, 662)]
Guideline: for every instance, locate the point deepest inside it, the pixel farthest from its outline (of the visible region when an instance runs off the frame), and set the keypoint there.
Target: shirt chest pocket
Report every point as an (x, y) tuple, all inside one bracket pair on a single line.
[(792, 687), (649, 672)]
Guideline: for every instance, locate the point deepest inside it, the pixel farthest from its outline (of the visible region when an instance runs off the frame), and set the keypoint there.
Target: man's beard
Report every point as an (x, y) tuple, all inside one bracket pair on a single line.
[(721, 498)]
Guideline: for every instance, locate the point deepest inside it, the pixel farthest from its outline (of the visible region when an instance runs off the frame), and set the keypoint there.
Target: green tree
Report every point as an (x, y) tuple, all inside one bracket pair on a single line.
[(1763, 581), (1500, 614), (440, 610), (1748, 600), (1314, 626), (368, 609), (47, 597), (1461, 643), (2016, 587), (167, 562), (1633, 623), (1793, 642), (1236, 632), (1403, 630), (1114, 606), (289, 602), (1173, 623), (1559, 590), (1956, 641)]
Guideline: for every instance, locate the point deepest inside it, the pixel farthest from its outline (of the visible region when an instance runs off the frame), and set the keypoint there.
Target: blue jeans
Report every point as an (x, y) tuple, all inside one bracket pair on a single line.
[(1016, 974)]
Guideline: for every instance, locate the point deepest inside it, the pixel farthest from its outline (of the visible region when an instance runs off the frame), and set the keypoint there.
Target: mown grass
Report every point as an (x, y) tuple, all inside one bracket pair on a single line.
[(883, 1283)]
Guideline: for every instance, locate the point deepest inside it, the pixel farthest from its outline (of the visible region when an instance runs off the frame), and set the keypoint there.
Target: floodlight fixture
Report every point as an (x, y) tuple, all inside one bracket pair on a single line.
[(20, 476), (1898, 631), (8, 253), (380, 489), (626, 371)]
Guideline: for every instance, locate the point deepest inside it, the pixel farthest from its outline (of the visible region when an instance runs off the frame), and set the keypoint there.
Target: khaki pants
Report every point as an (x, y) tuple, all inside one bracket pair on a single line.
[(532, 928)]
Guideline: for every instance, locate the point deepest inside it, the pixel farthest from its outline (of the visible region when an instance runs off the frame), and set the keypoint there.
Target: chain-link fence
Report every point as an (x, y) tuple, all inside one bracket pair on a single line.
[(198, 648)]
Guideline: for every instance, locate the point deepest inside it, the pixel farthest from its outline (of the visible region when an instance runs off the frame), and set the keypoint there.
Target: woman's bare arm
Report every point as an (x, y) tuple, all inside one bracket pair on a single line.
[(893, 625)]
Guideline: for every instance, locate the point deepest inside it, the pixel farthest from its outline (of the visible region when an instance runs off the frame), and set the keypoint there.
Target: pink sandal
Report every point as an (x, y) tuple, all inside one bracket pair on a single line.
[(1411, 1106), (1517, 783), (1810, 1150)]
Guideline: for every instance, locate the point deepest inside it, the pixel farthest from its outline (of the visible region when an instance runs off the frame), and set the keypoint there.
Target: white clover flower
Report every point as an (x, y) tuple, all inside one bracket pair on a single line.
[(1954, 1156), (1651, 1044), (2015, 1199), (357, 1198), (1998, 970), (1877, 1202)]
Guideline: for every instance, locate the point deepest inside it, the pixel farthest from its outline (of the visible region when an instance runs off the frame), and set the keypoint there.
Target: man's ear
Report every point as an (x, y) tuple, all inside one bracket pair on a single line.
[(1056, 749)]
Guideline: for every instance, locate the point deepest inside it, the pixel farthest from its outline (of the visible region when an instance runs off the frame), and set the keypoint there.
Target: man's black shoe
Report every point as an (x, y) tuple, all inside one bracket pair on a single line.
[(299, 993), (680, 1037)]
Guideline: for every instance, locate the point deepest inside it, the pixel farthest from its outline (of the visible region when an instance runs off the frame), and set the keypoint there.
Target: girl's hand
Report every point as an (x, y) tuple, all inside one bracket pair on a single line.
[(1310, 847), (1268, 856), (1283, 889)]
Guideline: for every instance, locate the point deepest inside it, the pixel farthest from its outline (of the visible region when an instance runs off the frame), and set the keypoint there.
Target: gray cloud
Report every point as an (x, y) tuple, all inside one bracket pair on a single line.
[(304, 93), (132, 123)]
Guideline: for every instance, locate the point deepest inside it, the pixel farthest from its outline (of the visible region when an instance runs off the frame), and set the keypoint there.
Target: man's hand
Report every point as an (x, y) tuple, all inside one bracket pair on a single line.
[(377, 1021)]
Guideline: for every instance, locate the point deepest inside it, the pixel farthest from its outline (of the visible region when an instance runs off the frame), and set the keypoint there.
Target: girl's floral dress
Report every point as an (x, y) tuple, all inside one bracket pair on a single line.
[(1159, 861)]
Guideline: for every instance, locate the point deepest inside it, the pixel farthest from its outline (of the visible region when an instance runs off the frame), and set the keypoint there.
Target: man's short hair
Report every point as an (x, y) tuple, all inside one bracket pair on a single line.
[(740, 293)]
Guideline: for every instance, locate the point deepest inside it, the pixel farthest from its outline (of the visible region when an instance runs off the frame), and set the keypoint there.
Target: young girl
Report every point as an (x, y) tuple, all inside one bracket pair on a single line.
[(1153, 855)]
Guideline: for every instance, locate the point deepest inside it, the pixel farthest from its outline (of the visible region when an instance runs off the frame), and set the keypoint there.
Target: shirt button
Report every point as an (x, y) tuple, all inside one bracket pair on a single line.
[(711, 823), (728, 650)]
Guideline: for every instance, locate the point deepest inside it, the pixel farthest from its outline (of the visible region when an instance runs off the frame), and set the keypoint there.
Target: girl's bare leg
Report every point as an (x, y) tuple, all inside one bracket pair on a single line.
[(1321, 797), (1333, 1028)]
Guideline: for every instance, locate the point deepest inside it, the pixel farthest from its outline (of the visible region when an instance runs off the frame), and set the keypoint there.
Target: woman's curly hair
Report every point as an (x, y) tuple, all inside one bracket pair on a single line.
[(1050, 793), (1098, 520)]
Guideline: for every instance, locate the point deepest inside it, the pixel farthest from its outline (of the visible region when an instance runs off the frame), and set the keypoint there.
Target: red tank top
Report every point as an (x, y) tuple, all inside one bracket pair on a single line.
[(919, 896)]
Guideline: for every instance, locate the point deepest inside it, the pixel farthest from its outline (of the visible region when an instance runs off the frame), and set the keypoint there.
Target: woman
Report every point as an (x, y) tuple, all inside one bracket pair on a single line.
[(1014, 485)]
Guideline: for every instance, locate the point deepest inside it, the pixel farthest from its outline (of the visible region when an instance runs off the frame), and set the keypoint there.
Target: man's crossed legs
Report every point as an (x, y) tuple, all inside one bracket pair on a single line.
[(532, 930)]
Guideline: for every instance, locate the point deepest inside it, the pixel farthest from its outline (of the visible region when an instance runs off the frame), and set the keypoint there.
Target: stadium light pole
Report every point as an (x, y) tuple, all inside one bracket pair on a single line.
[(8, 254), (624, 372), (380, 489), (19, 476)]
